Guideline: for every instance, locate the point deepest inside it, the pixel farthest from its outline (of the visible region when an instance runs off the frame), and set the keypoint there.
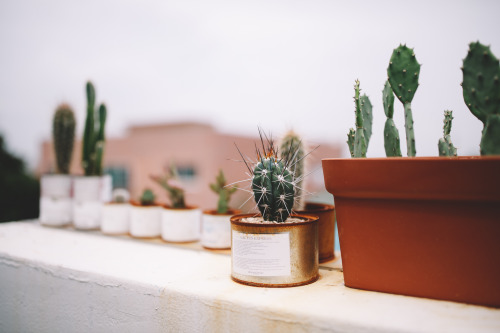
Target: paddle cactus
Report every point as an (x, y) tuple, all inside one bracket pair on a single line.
[(147, 198), (223, 191), (169, 181), (93, 136), (357, 140), (403, 73), (445, 146), (292, 147), (481, 92), (63, 133), (391, 133)]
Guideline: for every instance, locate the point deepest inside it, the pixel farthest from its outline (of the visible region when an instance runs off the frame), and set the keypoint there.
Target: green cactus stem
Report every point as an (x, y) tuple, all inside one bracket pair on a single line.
[(223, 191), (362, 134), (93, 136), (170, 182), (292, 148), (481, 92), (350, 140), (366, 110), (445, 145), (63, 132), (147, 198), (391, 134), (403, 73)]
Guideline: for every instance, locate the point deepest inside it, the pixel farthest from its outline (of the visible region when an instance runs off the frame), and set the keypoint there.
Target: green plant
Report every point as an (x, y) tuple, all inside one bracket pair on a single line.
[(445, 146), (169, 181), (292, 148), (63, 133), (93, 136), (481, 92), (223, 191), (359, 138), (391, 134), (403, 73), (147, 198)]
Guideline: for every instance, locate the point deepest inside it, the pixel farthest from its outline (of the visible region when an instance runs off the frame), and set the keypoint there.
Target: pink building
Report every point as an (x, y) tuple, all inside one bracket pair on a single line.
[(197, 150)]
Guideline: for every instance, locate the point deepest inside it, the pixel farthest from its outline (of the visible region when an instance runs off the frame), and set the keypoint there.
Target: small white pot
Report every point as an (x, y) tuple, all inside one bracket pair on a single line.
[(216, 229), (106, 188), (115, 218), (87, 203), (145, 221), (56, 204), (181, 225)]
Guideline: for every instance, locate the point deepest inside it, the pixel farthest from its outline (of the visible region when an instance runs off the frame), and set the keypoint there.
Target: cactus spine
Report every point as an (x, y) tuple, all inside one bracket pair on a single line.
[(224, 193), (169, 181), (93, 136), (292, 148), (147, 198), (391, 134), (445, 145), (403, 72), (63, 132), (357, 140), (481, 91)]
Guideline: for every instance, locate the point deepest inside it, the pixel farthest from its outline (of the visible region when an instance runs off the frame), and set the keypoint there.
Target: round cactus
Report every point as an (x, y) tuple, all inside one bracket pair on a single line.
[(63, 132), (147, 198)]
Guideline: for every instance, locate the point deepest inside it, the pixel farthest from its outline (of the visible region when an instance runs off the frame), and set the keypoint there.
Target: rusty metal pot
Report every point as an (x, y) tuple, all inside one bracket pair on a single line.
[(274, 254)]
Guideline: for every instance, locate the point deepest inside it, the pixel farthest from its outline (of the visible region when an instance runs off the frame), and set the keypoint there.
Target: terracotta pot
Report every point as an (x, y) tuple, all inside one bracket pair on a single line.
[(115, 218), (56, 203), (180, 225), (274, 254), (427, 227), (87, 203), (216, 229), (145, 221), (326, 228)]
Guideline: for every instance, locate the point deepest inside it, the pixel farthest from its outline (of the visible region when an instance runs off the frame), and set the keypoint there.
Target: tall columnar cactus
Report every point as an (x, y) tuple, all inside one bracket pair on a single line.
[(403, 72), (93, 136), (481, 91), (292, 148), (63, 133), (170, 182), (391, 133), (357, 140), (223, 191), (445, 145), (147, 198)]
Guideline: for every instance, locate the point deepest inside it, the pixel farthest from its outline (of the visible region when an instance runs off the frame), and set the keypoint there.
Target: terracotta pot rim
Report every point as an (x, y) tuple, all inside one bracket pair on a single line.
[(308, 219), (138, 204), (165, 206), (230, 212), (416, 158)]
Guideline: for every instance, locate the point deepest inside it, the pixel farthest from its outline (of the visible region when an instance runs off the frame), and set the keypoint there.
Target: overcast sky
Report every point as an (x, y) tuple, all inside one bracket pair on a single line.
[(236, 64)]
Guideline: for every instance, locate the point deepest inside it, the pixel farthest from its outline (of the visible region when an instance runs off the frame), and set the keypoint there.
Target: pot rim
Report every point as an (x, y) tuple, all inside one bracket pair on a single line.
[(308, 219), (165, 206), (319, 207), (230, 212), (138, 204)]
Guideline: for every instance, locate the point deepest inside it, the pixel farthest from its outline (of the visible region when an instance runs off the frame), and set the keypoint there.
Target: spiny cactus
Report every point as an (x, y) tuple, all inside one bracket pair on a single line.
[(481, 91), (391, 133), (169, 181), (63, 133), (357, 140), (93, 136), (403, 73), (223, 191), (292, 148), (147, 198), (445, 145)]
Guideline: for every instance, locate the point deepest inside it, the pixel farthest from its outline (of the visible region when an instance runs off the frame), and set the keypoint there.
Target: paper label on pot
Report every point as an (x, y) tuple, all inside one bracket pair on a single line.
[(261, 254)]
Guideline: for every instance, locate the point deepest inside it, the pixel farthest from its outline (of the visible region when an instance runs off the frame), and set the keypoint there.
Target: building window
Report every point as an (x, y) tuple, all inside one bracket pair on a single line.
[(119, 175), (186, 173)]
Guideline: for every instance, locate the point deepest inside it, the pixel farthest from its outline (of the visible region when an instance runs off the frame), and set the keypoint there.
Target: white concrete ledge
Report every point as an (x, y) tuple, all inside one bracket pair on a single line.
[(62, 280)]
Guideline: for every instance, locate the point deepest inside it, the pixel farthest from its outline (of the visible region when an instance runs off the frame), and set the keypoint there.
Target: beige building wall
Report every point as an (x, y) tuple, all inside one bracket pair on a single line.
[(147, 150)]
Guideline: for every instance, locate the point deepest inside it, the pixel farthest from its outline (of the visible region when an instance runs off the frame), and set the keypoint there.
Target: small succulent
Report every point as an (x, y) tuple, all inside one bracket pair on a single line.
[(445, 146), (147, 198), (169, 181), (93, 135), (63, 133), (220, 187)]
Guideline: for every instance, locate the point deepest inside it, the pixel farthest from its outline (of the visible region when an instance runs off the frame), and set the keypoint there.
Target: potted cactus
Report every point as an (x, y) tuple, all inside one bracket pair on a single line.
[(216, 226), (277, 248), (179, 223), (88, 189), (56, 204), (116, 214), (292, 145), (407, 225), (145, 216)]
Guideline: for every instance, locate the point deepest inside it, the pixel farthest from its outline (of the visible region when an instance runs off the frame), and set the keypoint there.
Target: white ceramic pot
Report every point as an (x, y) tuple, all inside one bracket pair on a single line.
[(115, 218), (106, 188), (56, 204), (87, 203), (181, 225), (145, 221), (216, 229)]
